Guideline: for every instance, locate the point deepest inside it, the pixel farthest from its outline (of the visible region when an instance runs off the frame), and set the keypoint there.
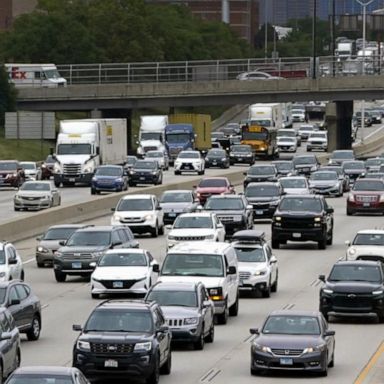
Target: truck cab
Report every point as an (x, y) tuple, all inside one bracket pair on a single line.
[(179, 137)]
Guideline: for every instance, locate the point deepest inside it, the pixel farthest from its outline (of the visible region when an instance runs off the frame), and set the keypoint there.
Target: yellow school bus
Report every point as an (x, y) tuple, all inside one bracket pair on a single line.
[(261, 139)]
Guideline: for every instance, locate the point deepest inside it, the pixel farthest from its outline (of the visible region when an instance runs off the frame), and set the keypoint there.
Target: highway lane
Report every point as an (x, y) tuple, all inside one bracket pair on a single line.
[(228, 357)]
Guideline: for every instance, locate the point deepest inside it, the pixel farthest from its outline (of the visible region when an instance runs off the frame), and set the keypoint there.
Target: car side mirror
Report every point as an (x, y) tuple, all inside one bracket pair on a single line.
[(163, 329), (116, 243), (62, 242), (347, 243), (93, 264), (113, 209), (77, 327), (329, 333), (254, 331), (232, 270), (273, 260), (220, 225), (39, 238), (245, 173), (156, 268), (168, 227), (330, 210), (206, 304), (322, 278), (6, 336), (158, 208), (14, 302), (12, 261)]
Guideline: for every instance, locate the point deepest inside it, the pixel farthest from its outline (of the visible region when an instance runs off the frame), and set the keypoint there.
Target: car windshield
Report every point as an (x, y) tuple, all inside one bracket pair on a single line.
[(371, 162), (261, 170), (217, 134), (154, 154), (284, 166), (58, 233), (189, 155), (293, 183), (123, 260), (108, 171), (213, 183), (292, 325), (324, 176), (173, 298), (91, 238), (286, 133), (74, 149), (287, 139), (262, 191), (304, 160), (250, 255), (3, 295), (123, 320), (40, 378), (216, 153), (369, 239), (193, 265), (298, 204), (2, 257), (28, 166), (8, 166), (50, 160), (35, 187), (193, 222), (342, 155), (368, 185), (177, 138), (131, 160), (176, 197), (355, 273), (309, 128), (318, 136), (135, 205), (145, 165), (241, 148), (354, 165), (224, 204)]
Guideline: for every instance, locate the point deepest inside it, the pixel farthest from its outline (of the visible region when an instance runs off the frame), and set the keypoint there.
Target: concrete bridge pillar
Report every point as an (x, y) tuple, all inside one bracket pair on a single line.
[(339, 123)]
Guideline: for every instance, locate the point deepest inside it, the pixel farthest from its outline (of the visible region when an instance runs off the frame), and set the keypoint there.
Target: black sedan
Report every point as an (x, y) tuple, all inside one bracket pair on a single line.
[(260, 172), (217, 158), (145, 172), (293, 340), (242, 154), (24, 306)]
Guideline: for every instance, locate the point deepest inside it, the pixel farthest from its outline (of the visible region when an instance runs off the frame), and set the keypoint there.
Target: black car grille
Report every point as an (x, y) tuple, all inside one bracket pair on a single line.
[(126, 284), (186, 166), (352, 301), (76, 256), (296, 222), (111, 348), (260, 205), (146, 149), (189, 238), (287, 352), (175, 322)]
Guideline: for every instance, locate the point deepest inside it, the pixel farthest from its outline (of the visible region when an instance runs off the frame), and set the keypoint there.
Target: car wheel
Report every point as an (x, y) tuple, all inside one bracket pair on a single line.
[(155, 231), (161, 230), (275, 244), (332, 362), (177, 173), (211, 334), (34, 332), (17, 209), (57, 185), (274, 285), (349, 212), (199, 344), (324, 372), (322, 244), (22, 275), (167, 366), (326, 316), (330, 238), (222, 318), (60, 276), (234, 309), (267, 291), (95, 295), (154, 377), (255, 372)]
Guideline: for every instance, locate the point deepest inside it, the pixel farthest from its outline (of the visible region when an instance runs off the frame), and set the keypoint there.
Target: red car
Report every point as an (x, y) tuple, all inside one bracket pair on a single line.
[(11, 174), (213, 186), (47, 168), (366, 196)]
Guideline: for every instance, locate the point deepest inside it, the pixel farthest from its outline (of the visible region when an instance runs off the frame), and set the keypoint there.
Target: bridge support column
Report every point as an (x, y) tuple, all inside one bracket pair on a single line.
[(339, 123), (122, 114)]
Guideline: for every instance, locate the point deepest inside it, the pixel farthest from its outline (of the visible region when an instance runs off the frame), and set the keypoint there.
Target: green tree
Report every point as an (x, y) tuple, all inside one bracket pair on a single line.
[(7, 95)]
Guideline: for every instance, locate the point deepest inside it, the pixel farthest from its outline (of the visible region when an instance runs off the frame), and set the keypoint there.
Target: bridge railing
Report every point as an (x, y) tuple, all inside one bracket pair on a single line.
[(217, 70)]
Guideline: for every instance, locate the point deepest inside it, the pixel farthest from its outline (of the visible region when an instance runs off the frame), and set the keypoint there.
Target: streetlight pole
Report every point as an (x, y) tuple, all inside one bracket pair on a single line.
[(314, 40), (265, 30), (364, 5)]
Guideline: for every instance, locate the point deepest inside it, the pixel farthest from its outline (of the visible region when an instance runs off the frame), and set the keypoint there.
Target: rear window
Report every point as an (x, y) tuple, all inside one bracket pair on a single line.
[(213, 183), (368, 185)]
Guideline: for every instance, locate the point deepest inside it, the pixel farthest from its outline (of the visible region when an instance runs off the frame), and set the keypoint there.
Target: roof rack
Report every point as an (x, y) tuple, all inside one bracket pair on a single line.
[(250, 236)]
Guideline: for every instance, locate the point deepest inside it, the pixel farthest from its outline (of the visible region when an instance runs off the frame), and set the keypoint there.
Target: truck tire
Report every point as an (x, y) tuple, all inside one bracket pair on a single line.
[(275, 244), (177, 173), (322, 244), (57, 184)]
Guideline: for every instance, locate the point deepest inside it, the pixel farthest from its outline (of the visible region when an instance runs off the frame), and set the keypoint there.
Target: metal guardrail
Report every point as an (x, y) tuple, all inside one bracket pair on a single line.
[(217, 70)]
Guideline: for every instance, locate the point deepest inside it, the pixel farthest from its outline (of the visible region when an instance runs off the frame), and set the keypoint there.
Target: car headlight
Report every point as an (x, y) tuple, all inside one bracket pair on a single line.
[(351, 197), (94, 179), (117, 217), (352, 251), (209, 237), (154, 172), (328, 291), (248, 154), (88, 169), (274, 202), (83, 345), (231, 154), (97, 254), (42, 249), (119, 180), (378, 292), (56, 168), (313, 168), (191, 321), (317, 219), (261, 272), (171, 237), (318, 348), (277, 218), (261, 348), (148, 217), (223, 159), (143, 347), (17, 197)]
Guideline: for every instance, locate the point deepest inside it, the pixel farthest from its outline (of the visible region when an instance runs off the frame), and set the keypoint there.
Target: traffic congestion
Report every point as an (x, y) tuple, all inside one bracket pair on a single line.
[(268, 277)]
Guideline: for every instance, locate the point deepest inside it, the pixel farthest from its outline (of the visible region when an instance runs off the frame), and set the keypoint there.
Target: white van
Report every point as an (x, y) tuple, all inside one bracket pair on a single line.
[(214, 264), (35, 75)]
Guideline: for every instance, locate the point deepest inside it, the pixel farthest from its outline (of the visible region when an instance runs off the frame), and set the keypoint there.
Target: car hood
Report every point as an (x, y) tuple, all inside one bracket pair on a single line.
[(297, 214), (262, 199), (30, 171), (322, 183), (296, 191), (375, 250), (349, 171), (176, 207), (192, 232), (120, 273), (324, 140), (80, 249), (133, 214), (240, 154), (353, 286), (225, 211), (176, 311), (33, 193), (115, 337), (288, 341), (209, 282), (309, 165), (50, 244), (105, 177), (367, 193), (251, 267)]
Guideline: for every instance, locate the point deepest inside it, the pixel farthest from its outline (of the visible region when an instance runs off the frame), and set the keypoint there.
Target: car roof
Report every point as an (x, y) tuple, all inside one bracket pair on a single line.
[(125, 250), (199, 247), (371, 231), (121, 304), (290, 312), (67, 226), (292, 177), (196, 214), (234, 196), (263, 184), (5, 284), (214, 178), (98, 228), (309, 196), (175, 285), (109, 166), (38, 181), (177, 191), (45, 369), (372, 263), (138, 196)]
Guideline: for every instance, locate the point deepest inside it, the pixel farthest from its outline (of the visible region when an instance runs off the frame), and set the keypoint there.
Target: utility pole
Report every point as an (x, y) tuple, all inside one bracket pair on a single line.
[(314, 39)]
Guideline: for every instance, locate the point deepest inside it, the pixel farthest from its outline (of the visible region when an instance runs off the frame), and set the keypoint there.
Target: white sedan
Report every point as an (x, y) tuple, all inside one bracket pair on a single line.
[(295, 185), (11, 265), (287, 144), (124, 271), (197, 226)]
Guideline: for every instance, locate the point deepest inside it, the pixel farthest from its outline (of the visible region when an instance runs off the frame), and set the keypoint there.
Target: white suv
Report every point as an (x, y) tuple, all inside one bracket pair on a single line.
[(197, 226), (213, 264), (317, 140), (11, 265), (258, 268), (141, 213), (368, 244), (189, 161)]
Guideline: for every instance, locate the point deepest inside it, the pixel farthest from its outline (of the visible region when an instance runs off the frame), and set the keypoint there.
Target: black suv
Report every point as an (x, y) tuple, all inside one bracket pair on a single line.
[(124, 338), (305, 164), (24, 306), (264, 198), (217, 158), (232, 210), (353, 288), (145, 172), (303, 218), (80, 253), (260, 172), (242, 153)]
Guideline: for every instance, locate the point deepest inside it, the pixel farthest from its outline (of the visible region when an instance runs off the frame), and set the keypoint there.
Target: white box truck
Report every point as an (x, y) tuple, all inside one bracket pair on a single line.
[(152, 134), (35, 75), (83, 145), (266, 115)]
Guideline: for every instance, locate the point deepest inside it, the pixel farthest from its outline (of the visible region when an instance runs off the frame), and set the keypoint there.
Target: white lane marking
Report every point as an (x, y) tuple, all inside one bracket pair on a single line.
[(372, 133), (29, 261)]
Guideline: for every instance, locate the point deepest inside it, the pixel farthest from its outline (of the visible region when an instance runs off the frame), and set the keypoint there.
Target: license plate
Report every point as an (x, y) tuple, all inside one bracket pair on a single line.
[(259, 212), (296, 235), (366, 204), (172, 214), (117, 284), (76, 265), (72, 179), (214, 162), (241, 283), (111, 363), (142, 178), (286, 361), (240, 159)]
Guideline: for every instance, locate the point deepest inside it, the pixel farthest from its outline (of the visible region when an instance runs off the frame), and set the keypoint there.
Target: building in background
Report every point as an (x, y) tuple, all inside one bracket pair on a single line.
[(9, 9), (242, 14)]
